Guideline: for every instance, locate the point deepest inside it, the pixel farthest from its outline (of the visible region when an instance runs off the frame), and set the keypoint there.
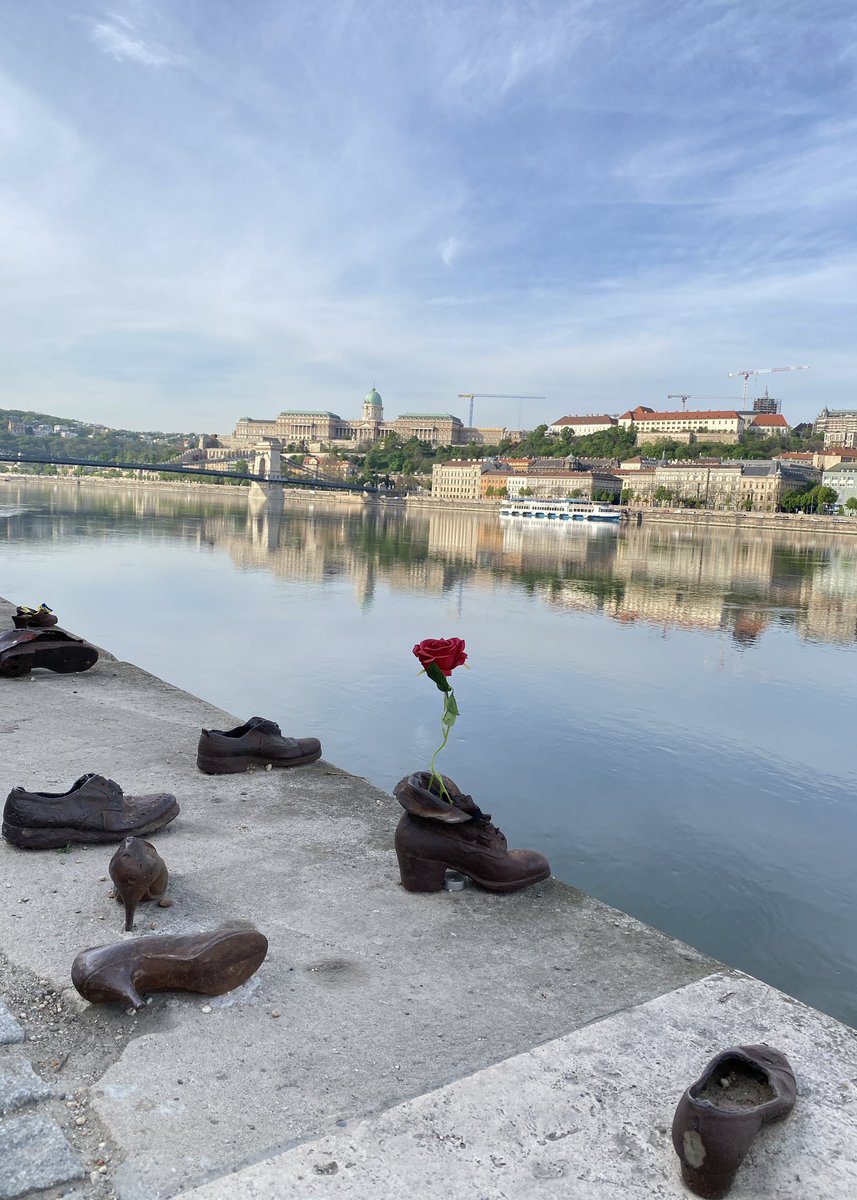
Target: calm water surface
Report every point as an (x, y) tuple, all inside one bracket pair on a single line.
[(670, 716)]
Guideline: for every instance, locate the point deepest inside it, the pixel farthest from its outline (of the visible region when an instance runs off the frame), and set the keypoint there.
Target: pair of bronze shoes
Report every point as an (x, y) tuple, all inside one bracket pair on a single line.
[(34, 618), (210, 963)]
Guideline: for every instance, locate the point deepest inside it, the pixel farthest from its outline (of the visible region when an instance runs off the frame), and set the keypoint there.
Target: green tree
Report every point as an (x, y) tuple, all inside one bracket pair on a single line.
[(825, 497), (851, 504)]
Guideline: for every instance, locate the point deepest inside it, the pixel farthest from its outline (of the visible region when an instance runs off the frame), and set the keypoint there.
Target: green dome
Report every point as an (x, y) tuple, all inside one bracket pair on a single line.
[(373, 398)]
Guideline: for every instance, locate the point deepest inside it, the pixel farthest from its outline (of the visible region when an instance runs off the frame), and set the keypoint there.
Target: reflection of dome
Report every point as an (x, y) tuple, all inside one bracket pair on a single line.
[(374, 399)]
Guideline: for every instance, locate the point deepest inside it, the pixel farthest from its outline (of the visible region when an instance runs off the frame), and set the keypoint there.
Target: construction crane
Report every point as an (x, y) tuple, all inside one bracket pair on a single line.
[(745, 375), (471, 396), (684, 397)]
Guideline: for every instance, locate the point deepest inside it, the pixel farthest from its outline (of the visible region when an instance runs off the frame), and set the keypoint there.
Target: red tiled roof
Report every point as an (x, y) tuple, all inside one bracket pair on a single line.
[(773, 420)]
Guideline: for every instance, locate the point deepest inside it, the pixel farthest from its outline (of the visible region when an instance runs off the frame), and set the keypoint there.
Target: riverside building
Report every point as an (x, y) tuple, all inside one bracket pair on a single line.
[(839, 426), (469, 479), (709, 425), (756, 484)]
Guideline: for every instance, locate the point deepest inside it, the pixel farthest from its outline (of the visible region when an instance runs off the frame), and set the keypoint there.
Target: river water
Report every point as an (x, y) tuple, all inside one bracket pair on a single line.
[(668, 715)]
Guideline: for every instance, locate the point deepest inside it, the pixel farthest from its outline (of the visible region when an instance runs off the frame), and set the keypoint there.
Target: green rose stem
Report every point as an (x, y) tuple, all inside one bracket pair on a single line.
[(450, 714)]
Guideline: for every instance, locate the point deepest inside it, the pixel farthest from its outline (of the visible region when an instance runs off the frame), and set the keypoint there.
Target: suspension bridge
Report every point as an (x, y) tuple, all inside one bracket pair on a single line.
[(268, 468)]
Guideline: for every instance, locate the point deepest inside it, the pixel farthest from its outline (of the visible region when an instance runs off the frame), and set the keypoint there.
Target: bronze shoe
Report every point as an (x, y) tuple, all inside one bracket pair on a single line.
[(718, 1117), (258, 743), (210, 963), (51, 649), (435, 835), (138, 873), (94, 809)]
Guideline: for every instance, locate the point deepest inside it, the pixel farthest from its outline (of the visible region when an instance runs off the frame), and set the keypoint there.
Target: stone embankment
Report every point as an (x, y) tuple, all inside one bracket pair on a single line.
[(531, 1046), (791, 523)]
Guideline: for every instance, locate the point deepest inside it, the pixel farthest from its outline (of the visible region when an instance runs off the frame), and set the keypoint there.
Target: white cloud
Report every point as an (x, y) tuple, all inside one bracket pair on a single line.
[(117, 37), (449, 250), (279, 223)]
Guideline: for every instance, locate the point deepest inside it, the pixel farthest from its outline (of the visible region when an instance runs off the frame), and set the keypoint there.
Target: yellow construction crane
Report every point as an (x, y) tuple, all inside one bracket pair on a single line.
[(471, 396), (745, 375)]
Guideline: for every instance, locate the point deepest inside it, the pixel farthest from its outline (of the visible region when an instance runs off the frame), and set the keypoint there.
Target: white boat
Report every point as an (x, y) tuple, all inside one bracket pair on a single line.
[(561, 510)]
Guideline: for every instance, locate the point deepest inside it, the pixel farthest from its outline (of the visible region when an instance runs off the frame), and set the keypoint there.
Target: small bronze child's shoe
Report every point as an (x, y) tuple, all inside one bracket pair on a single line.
[(138, 873), (34, 618), (718, 1117), (210, 963)]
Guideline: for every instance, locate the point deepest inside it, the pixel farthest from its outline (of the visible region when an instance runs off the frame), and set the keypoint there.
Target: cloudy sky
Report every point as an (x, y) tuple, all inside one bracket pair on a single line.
[(221, 208)]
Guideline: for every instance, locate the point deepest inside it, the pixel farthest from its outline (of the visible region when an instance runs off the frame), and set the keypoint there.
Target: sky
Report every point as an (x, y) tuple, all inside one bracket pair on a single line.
[(212, 209)]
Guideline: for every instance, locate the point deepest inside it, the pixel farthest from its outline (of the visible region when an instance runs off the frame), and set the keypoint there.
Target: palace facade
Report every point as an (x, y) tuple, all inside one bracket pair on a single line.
[(308, 427)]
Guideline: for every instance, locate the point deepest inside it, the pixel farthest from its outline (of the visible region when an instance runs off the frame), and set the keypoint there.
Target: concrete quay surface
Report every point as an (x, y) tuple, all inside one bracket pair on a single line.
[(391, 1045)]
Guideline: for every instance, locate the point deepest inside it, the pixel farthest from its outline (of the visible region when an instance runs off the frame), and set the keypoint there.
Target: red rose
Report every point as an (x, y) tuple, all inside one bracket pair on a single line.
[(447, 653)]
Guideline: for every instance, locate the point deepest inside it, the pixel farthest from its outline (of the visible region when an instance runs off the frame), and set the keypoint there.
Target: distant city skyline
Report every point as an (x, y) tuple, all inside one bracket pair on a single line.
[(210, 210)]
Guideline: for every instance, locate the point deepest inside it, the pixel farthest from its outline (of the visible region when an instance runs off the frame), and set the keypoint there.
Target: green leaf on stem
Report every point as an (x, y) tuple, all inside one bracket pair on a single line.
[(437, 677)]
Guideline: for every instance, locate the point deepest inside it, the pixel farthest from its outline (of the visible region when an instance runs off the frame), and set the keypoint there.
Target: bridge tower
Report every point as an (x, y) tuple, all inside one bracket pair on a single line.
[(267, 457), (267, 461)]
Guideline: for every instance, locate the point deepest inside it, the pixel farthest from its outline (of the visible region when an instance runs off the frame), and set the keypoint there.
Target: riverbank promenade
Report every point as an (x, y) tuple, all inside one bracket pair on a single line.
[(457, 1044)]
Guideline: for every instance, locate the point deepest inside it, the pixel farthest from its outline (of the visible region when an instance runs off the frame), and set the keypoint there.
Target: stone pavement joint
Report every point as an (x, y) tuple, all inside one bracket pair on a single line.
[(19, 1084), (34, 1155), (589, 1116)]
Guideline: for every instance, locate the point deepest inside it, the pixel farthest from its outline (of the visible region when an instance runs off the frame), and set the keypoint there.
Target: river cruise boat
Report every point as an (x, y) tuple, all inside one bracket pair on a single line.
[(561, 510)]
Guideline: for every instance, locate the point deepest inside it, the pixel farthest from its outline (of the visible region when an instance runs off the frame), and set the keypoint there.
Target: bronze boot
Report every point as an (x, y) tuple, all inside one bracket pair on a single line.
[(718, 1117), (435, 835), (138, 873), (210, 963)]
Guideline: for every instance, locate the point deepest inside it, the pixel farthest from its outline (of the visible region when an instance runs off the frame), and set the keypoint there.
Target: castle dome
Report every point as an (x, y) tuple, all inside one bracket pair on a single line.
[(374, 399)]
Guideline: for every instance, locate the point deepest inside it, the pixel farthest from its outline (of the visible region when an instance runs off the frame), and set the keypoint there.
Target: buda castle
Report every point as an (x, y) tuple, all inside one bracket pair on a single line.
[(308, 428)]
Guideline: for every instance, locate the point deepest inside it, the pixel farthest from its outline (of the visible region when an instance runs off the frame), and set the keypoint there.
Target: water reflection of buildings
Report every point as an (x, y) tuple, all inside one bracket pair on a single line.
[(740, 581)]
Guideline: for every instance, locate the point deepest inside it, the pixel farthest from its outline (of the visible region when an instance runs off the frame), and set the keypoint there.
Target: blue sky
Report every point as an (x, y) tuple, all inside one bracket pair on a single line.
[(218, 208)]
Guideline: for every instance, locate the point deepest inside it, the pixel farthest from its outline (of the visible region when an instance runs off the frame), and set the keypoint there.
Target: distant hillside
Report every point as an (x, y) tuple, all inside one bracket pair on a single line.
[(33, 418), (23, 431)]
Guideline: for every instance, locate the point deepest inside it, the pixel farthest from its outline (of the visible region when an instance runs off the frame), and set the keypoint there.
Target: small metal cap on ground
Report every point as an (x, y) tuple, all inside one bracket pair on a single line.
[(453, 881)]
